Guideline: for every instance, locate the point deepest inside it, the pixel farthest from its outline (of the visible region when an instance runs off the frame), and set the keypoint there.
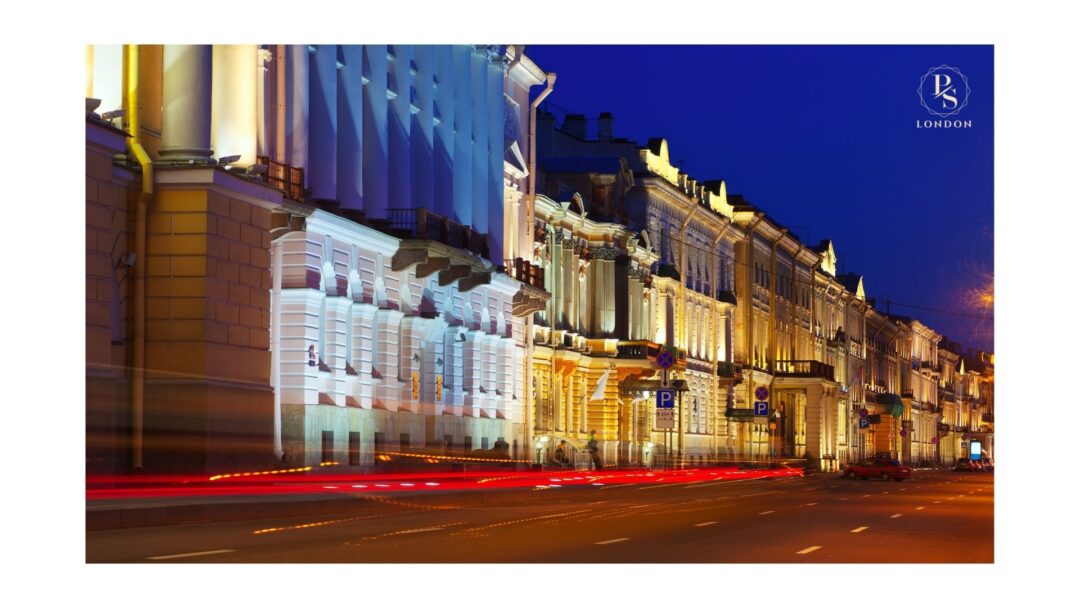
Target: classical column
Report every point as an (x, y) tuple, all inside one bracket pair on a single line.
[(186, 86), (233, 106), (496, 74), (350, 128), (323, 122)]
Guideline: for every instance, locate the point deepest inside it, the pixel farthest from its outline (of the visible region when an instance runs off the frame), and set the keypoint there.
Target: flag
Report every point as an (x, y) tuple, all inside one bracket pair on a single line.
[(598, 394)]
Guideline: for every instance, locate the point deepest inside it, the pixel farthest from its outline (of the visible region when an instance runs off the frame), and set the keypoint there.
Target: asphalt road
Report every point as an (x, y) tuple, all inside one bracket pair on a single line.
[(935, 517)]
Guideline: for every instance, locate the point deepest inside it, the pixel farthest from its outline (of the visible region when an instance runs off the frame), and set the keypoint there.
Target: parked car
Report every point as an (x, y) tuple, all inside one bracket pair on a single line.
[(987, 465), (879, 468), (967, 465)]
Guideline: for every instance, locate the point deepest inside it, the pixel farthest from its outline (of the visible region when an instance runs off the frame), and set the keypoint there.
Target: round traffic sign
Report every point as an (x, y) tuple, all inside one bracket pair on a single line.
[(864, 412), (665, 359), (762, 393)]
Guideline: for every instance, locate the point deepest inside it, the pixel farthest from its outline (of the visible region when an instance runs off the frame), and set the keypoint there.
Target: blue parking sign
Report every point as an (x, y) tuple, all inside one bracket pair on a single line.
[(665, 399), (864, 423), (761, 408)]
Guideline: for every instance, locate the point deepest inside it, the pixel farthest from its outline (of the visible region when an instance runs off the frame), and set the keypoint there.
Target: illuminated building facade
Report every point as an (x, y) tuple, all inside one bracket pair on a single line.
[(672, 282), (947, 444), (318, 259), (883, 385)]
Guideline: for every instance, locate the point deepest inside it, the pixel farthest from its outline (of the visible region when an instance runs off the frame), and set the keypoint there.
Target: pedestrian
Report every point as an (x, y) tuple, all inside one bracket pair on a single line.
[(594, 451), (560, 454)]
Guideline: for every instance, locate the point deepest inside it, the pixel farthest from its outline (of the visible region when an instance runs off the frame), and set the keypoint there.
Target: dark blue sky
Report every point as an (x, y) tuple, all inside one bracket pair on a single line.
[(823, 139)]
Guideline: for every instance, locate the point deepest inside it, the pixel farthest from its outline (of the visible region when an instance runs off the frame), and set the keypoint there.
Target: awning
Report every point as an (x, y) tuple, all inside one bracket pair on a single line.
[(891, 401)]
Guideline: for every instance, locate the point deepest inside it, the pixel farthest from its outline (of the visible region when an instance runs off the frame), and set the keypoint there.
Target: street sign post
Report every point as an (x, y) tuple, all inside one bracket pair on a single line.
[(761, 393), (761, 420), (665, 399), (761, 408), (665, 419), (665, 359)]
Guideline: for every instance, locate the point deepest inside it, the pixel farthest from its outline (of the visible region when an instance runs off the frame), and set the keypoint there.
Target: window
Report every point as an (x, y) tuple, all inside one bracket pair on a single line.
[(354, 449), (327, 446)]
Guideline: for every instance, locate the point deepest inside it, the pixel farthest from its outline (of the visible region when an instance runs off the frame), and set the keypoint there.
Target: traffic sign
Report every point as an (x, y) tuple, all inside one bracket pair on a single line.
[(665, 359), (761, 420), (864, 423), (665, 419), (665, 399), (761, 393), (761, 408)]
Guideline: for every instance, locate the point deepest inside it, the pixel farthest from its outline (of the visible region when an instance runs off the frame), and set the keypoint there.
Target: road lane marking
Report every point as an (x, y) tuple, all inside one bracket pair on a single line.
[(895, 515), (766, 512), (885, 492), (919, 508), (810, 504), (415, 531), (178, 555), (859, 529), (704, 523), (866, 496), (843, 498), (937, 502), (808, 550), (614, 540), (952, 498)]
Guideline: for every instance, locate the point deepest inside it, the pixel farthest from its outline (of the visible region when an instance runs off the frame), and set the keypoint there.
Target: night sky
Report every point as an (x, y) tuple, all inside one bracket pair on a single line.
[(823, 139)]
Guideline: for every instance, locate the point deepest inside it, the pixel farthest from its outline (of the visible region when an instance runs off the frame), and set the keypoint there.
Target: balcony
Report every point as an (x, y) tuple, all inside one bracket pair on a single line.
[(725, 369), (946, 394), (804, 369), (907, 393), (526, 272), (289, 180), (426, 225), (727, 296), (930, 368), (644, 349), (944, 429), (988, 417)]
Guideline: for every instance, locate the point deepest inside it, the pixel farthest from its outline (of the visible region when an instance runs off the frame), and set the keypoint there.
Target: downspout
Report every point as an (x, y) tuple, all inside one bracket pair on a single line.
[(276, 247), (531, 197), (135, 149)]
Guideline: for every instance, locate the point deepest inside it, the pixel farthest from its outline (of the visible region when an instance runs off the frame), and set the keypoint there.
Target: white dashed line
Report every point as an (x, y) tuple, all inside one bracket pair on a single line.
[(766, 512), (614, 540), (843, 498), (919, 508), (937, 502), (704, 523), (178, 555), (808, 550), (866, 496), (810, 504), (895, 515), (859, 529)]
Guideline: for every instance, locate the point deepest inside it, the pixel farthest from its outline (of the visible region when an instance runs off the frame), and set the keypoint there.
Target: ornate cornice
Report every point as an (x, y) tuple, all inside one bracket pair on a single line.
[(604, 253)]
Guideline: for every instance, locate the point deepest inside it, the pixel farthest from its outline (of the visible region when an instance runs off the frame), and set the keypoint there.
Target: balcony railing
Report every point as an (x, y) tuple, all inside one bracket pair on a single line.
[(804, 369), (289, 180), (644, 349), (725, 369), (946, 394), (988, 417), (424, 224), (524, 271), (907, 393)]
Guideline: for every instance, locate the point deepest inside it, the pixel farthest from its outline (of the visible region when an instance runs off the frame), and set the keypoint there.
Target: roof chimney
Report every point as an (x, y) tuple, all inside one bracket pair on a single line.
[(574, 124), (604, 126)]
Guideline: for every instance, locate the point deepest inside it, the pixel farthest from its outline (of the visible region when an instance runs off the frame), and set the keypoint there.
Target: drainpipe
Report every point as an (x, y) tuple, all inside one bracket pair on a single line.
[(531, 197), (135, 149)]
